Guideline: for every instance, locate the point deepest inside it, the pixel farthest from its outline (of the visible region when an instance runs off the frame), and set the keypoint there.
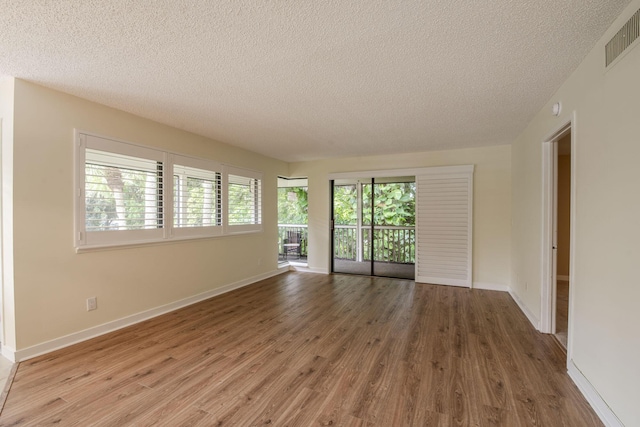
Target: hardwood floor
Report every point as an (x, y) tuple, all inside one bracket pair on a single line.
[(306, 349), (562, 311)]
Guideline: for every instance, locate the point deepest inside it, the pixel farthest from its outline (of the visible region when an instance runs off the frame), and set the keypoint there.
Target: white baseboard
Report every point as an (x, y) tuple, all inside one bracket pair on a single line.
[(490, 286), (8, 353), (76, 337), (308, 269), (562, 277), (504, 288), (607, 416), (283, 268), (532, 317)]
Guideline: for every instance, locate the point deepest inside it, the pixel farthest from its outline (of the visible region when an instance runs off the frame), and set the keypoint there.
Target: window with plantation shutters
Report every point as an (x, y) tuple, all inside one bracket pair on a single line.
[(197, 197), (244, 200), (121, 193), (130, 194)]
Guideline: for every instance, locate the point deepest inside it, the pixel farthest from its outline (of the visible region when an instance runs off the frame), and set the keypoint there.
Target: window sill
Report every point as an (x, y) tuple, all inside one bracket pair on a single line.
[(161, 242)]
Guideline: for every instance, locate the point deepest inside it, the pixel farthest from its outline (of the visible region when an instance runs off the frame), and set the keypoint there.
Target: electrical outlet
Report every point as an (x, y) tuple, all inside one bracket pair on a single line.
[(92, 303)]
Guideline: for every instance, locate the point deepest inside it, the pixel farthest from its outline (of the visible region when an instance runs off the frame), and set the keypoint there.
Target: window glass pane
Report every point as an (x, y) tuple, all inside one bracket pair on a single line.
[(244, 200), (345, 204), (122, 192), (292, 205), (395, 204), (366, 204), (196, 201)]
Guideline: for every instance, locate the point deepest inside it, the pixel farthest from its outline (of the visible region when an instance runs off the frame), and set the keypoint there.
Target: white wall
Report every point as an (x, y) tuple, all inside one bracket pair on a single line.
[(52, 282), (604, 340), (492, 203)]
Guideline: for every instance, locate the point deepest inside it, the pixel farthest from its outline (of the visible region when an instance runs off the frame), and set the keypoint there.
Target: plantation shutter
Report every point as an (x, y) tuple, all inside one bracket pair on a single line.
[(197, 197), (444, 210), (244, 200), (120, 192)]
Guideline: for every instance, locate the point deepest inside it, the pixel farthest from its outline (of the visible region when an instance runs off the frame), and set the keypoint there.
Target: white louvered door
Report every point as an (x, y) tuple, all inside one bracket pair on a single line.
[(444, 205)]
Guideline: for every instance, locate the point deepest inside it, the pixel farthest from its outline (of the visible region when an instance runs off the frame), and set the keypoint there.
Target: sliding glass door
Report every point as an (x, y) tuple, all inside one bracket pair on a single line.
[(373, 227), (348, 242)]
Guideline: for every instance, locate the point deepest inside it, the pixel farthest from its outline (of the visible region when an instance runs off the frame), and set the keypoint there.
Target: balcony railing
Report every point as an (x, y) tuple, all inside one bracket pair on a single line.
[(390, 244)]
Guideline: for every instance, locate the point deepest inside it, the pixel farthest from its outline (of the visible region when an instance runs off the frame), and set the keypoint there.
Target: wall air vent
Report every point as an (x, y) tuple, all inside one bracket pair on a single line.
[(623, 39)]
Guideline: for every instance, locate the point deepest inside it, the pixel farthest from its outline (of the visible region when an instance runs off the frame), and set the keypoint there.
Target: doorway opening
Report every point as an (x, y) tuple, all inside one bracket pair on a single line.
[(563, 219), (293, 235), (558, 179)]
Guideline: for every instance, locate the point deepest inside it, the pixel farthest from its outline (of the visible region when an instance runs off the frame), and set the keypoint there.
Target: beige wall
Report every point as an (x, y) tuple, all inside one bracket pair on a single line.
[(604, 342), (492, 211), (564, 213), (52, 282)]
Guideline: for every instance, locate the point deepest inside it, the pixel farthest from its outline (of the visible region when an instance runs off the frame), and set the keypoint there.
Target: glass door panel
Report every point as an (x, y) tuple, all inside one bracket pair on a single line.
[(394, 227), (347, 229), (373, 227)]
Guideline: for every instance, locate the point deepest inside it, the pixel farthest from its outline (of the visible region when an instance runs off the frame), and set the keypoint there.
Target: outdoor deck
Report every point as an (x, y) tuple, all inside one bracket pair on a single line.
[(384, 269)]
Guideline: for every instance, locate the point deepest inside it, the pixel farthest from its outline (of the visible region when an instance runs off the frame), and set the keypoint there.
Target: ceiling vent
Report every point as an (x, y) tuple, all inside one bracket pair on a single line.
[(623, 39)]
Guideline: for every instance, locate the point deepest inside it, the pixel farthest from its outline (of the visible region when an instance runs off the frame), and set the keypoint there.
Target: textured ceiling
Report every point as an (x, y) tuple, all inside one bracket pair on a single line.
[(308, 79)]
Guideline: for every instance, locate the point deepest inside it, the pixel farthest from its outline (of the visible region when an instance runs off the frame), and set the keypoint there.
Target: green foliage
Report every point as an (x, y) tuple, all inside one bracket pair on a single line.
[(293, 205), (345, 203), (393, 206), (101, 204), (243, 202), (198, 204)]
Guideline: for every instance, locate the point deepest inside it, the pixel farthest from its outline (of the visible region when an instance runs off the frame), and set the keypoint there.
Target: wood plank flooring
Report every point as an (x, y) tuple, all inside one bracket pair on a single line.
[(562, 311), (311, 350)]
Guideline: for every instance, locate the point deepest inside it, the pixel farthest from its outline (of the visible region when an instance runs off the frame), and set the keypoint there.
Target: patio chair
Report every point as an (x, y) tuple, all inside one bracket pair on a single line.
[(292, 244)]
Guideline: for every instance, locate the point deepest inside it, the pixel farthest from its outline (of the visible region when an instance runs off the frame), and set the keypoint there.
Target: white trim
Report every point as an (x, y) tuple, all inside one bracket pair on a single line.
[(105, 328), (185, 167), (182, 239), (528, 313), (490, 286), (434, 170), (439, 281), (607, 416), (314, 270), (255, 226), (547, 294), (6, 234), (8, 353), (572, 231), (283, 268)]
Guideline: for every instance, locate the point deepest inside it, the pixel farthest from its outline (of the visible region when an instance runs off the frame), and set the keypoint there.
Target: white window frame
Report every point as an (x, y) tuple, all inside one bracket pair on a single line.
[(207, 165), (87, 241), (241, 228), (110, 237)]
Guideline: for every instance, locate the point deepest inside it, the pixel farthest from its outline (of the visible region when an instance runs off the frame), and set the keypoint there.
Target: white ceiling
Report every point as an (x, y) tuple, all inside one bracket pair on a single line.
[(309, 79)]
